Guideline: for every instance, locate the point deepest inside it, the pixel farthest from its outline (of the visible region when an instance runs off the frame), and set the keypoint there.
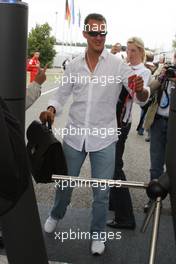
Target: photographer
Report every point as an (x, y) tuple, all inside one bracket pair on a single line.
[(157, 120)]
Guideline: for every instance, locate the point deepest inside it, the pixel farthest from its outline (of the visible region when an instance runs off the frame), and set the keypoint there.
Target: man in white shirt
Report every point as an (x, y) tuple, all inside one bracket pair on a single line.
[(94, 79)]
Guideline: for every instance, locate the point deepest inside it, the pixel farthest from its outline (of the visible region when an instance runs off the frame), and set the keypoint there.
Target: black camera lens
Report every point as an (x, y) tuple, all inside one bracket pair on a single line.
[(171, 72)]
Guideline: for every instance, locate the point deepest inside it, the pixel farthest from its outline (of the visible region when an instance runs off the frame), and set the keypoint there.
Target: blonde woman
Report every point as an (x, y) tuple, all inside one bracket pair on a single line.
[(120, 200)]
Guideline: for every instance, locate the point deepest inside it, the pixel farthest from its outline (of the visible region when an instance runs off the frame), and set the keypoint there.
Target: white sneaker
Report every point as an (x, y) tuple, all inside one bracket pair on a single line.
[(97, 247), (50, 225)]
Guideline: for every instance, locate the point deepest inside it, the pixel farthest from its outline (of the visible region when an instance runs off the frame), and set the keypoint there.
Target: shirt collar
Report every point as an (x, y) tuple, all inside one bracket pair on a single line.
[(103, 55), (137, 67)]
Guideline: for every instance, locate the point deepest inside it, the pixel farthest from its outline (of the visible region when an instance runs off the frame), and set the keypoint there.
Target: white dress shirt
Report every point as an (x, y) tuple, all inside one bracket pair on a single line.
[(145, 73), (94, 101), (119, 56)]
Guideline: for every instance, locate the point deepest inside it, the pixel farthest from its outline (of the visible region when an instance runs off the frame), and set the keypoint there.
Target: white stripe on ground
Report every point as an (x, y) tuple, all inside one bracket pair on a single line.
[(3, 260), (50, 91)]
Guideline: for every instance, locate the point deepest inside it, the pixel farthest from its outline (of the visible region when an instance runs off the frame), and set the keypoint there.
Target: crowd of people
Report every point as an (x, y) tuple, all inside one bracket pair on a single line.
[(107, 106)]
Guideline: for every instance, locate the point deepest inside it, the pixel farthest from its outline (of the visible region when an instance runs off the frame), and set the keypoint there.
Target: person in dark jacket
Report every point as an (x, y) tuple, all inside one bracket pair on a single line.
[(33, 92)]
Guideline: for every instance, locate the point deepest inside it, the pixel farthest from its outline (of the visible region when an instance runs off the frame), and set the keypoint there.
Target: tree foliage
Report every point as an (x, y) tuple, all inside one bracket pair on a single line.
[(40, 39)]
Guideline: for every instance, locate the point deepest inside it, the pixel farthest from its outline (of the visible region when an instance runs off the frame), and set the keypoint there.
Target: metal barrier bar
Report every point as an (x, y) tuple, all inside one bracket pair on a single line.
[(118, 183), (127, 184), (155, 230)]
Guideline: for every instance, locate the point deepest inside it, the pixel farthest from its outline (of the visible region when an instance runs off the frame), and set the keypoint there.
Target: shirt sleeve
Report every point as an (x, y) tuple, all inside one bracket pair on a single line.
[(31, 61), (32, 93), (126, 72), (147, 78), (139, 102), (63, 92)]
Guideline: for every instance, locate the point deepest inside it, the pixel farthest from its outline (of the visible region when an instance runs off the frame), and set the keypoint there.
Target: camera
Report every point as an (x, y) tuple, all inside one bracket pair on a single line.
[(170, 71)]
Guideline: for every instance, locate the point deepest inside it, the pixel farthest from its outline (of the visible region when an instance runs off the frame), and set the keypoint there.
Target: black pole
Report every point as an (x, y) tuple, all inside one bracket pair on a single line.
[(171, 154), (13, 34), (21, 227)]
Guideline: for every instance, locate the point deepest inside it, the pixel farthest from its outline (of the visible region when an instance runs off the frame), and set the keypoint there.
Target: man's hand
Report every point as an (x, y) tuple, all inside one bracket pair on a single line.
[(48, 116), (136, 83), (40, 78), (116, 48)]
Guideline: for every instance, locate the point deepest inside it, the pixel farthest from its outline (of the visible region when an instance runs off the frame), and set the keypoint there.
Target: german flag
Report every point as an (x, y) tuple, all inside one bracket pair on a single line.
[(67, 12)]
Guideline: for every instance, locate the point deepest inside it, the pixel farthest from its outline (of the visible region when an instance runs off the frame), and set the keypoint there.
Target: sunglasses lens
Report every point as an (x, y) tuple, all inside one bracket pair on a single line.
[(103, 33), (96, 33), (93, 33)]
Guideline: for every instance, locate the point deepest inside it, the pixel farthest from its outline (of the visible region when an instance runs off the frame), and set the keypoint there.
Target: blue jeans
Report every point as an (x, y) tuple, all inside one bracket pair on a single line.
[(102, 166), (158, 140)]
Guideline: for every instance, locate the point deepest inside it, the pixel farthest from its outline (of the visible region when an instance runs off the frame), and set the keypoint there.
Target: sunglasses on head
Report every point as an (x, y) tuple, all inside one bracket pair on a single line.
[(96, 33)]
